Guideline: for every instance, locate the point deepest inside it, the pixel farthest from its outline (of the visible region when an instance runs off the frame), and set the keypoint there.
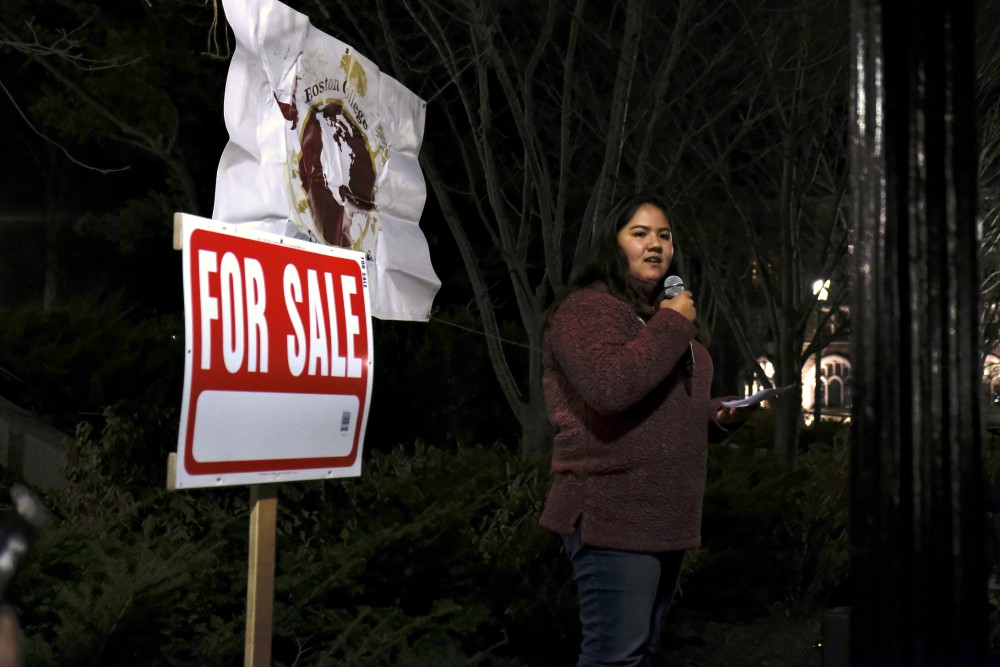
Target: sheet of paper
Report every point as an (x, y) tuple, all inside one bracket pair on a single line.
[(762, 395)]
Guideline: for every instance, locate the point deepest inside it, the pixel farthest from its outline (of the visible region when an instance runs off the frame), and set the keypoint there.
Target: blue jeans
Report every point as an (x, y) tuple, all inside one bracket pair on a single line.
[(624, 597)]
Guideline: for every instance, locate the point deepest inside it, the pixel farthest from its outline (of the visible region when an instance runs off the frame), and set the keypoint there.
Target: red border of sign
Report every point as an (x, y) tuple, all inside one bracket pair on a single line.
[(277, 250)]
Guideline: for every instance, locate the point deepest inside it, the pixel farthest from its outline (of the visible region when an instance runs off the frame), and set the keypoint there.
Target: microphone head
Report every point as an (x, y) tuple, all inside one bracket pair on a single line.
[(672, 286)]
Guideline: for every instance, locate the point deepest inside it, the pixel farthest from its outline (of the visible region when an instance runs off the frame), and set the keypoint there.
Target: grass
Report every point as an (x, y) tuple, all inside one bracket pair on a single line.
[(781, 638)]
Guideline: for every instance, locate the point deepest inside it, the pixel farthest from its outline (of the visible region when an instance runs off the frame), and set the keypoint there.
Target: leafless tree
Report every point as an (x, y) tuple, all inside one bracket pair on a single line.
[(101, 78), (782, 172), (540, 115), (89, 84)]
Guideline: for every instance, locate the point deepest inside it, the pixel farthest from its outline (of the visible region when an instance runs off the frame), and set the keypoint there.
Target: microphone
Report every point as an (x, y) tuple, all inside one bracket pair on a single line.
[(672, 286)]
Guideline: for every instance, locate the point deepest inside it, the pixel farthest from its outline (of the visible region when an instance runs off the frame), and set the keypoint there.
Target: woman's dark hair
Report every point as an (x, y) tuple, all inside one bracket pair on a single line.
[(605, 261)]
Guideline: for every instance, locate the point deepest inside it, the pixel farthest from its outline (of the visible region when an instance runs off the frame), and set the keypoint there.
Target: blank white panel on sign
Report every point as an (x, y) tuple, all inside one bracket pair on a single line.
[(247, 426)]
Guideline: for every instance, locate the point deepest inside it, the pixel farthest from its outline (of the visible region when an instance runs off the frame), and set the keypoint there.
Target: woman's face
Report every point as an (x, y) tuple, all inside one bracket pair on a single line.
[(647, 242)]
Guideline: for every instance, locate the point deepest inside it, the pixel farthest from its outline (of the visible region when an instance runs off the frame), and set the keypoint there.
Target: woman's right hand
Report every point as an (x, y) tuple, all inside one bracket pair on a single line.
[(683, 303)]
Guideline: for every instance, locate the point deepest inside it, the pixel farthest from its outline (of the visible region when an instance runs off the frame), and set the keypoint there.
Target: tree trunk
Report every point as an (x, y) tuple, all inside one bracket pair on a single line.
[(788, 405), (537, 431), (50, 294)]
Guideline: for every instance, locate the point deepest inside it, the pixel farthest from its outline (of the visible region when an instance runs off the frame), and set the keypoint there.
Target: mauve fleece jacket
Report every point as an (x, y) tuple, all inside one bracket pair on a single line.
[(632, 430)]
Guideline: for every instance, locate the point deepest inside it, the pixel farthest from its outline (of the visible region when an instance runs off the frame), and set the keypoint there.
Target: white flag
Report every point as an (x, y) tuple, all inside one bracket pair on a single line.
[(323, 146)]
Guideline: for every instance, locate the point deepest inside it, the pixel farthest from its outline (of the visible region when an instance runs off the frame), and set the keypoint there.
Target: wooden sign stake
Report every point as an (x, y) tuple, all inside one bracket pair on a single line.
[(260, 578)]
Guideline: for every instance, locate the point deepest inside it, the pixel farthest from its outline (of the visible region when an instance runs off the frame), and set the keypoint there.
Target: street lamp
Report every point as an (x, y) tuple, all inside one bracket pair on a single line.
[(821, 289)]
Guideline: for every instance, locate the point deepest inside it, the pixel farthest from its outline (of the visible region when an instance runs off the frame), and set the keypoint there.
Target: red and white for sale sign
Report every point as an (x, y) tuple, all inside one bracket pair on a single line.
[(278, 366)]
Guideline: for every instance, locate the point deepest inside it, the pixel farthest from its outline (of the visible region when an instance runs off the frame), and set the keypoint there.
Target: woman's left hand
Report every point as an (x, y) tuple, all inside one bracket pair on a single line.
[(731, 416)]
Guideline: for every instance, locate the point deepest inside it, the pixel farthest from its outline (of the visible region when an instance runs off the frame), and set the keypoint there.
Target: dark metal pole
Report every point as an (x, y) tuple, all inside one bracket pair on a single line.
[(918, 515)]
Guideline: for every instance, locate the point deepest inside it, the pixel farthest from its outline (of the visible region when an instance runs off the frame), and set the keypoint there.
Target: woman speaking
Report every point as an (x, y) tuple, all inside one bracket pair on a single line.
[(627, 385)]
